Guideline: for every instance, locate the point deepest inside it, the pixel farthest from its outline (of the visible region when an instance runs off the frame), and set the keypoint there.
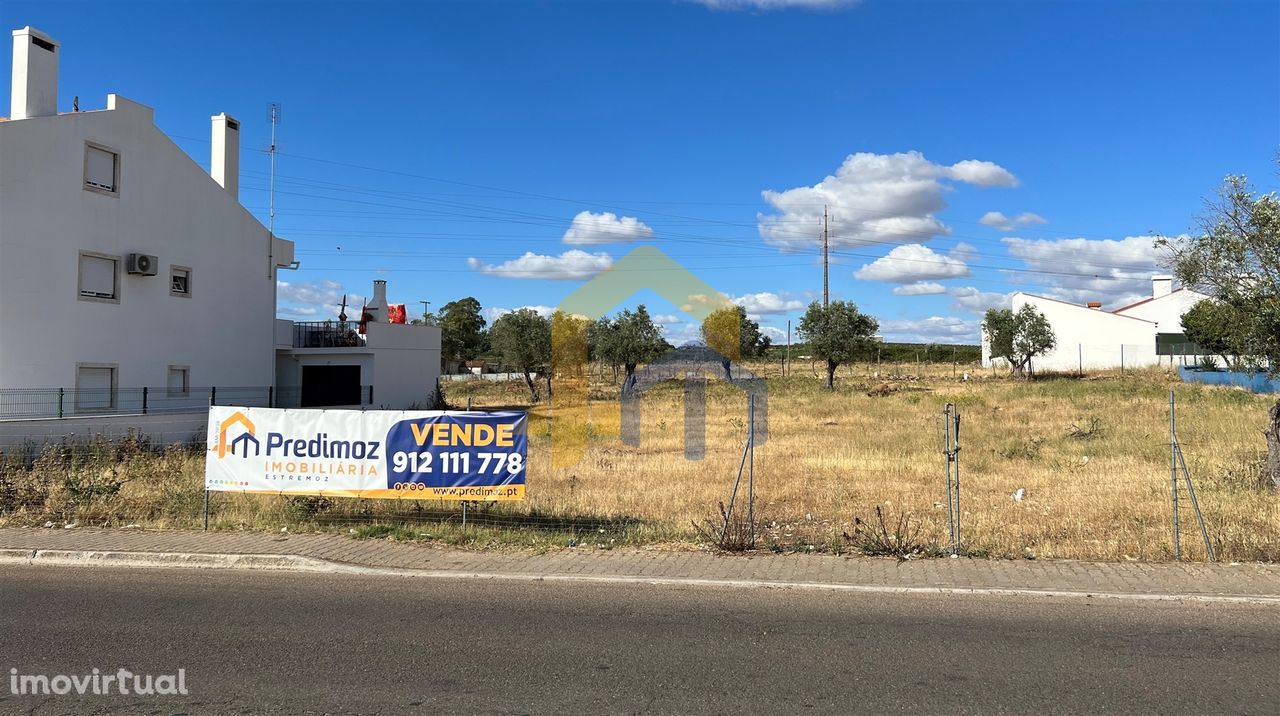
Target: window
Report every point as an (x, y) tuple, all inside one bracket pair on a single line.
[(179, 381), (180, 281), (99, 277), (101, 169), (95, 387)]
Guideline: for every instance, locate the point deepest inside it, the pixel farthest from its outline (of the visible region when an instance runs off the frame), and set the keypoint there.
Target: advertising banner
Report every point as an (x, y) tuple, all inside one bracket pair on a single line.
[(390, 454)]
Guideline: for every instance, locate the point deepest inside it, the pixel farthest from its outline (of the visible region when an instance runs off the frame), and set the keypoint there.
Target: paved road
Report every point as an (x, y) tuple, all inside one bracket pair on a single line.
[(254, 642)]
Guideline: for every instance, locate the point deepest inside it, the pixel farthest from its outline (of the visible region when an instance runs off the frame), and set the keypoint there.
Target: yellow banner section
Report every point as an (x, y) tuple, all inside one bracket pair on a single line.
[(486, 493)]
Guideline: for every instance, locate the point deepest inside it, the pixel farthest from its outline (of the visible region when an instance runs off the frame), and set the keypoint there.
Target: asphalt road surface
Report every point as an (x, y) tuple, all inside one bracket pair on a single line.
[(255, 642)]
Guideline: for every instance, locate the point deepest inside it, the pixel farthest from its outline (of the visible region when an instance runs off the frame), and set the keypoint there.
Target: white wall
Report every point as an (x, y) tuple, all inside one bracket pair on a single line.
[(166, 206), (163, 429), (1087, 337), (406, 364), (1166, 311), (401, 362)]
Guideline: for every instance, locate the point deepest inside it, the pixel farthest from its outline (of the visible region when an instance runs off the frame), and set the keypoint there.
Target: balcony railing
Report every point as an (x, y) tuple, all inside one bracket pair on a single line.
[(327, 334)]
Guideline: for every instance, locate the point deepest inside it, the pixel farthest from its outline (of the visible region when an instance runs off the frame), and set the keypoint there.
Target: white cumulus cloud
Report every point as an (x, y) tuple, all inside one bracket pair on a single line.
[(777, 335), (1113, 271), (572, 264), (911, 263), (605, 228), (998, 220), (493, 313), (873, 199), (920, 288), (758, 304), (314, 300), (968, 298), (934, 329)]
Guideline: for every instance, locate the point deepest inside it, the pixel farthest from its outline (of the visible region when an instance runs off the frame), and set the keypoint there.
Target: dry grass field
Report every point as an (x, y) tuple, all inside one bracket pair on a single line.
[(1091, 456)]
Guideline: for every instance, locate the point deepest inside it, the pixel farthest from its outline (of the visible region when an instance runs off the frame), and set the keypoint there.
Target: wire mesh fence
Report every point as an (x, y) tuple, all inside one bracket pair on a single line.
[(1057, 468), (38, 403)]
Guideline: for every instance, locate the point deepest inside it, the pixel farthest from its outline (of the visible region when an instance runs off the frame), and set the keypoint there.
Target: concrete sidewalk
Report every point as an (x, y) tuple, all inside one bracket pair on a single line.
[(332, 552)]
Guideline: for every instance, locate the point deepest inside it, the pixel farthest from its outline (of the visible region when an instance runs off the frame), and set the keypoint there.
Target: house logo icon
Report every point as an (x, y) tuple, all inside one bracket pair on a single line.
[(645, 268), (244, 439)]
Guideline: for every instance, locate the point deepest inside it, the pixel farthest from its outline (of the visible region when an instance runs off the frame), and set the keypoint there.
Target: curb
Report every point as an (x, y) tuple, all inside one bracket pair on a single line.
[(295, 563)]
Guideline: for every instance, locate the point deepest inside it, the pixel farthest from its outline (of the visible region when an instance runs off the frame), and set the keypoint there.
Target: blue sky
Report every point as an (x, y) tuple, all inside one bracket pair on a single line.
[(509, 150)]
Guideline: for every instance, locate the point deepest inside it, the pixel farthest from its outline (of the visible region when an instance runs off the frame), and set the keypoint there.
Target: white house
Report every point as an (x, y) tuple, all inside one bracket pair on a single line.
[(122, 263), (135, 288), (368, 362), (1141, 334)]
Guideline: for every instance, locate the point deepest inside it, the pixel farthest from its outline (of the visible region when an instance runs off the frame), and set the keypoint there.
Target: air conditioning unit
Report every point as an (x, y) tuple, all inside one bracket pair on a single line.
[(141, 265)]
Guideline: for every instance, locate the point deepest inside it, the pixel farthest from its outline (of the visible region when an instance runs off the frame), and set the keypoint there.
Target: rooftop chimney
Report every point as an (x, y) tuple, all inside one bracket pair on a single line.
[(1095, 305), (224, 165), (376, 309), (34, 90), (1161, 286)]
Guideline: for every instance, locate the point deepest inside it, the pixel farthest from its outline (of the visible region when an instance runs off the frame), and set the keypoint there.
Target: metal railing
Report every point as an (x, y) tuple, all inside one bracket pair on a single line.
[(327, 334), (39, 403)]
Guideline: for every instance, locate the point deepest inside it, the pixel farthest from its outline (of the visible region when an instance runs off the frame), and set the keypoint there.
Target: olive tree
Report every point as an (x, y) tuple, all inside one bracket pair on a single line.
[(523, 339), (1018, 336), (837, 333), (730, 333), (1235, 259), (628, 339)]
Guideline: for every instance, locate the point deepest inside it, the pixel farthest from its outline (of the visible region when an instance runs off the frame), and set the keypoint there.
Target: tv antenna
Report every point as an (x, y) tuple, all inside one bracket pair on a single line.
[(271, 151)]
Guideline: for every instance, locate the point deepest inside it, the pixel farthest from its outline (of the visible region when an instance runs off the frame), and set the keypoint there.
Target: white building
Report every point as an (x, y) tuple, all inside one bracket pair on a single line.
[(343, 362), (1145, 333), (135, 287), (122, 263)]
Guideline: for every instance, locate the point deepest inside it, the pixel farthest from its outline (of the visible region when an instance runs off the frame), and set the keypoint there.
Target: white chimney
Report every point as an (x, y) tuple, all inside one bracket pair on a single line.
[(34, 90), (376, 309), (224, 165), (1161, 286)]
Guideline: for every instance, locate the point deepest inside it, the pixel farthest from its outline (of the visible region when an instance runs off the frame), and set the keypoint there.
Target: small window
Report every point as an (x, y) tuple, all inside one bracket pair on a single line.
[(179, 381), (101, 169), (95, 387), (99, 277), (180, 281)]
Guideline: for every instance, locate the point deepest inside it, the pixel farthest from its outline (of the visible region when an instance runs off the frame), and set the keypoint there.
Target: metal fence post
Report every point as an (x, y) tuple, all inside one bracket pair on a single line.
[(213, 395), (751, 469), (144, 400), (271, 396), (61, 393), (951, 448), (1173, 479), (956, 453)]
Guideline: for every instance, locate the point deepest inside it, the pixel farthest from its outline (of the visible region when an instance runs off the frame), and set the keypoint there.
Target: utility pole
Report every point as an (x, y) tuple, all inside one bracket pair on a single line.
[(787, 363), (825, 244)]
